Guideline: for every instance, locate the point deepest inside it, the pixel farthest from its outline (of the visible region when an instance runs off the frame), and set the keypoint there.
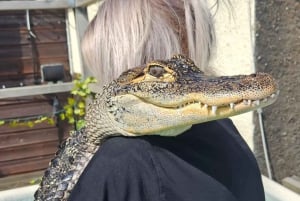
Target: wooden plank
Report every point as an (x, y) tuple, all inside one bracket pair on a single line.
[(45, 57), (17, 37), (18, 66), (24, 165), (29, 137), (37, 99), (19, 180), (38, 18), (33, 108), (12, 20), (28, 151), (41, 4), (16, 49), (50, 50), (7, 130)]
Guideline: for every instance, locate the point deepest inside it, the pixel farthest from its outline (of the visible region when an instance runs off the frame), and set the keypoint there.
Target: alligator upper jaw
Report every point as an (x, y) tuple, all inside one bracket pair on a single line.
[(209, 91)]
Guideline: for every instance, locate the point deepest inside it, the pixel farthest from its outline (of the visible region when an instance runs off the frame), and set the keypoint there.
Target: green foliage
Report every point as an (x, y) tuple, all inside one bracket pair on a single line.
[(73, 111), (2, 122), (28, 122), (35, 181)]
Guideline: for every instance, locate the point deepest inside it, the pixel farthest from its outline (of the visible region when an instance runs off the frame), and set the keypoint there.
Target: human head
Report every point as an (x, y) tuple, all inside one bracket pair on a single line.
[(128, 33)]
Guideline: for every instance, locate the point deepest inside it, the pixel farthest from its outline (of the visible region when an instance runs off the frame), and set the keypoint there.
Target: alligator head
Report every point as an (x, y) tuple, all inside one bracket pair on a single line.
[(167, 97)]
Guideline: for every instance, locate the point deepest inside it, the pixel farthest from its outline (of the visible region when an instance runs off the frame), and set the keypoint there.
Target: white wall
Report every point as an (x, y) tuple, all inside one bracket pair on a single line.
[(235, 50)]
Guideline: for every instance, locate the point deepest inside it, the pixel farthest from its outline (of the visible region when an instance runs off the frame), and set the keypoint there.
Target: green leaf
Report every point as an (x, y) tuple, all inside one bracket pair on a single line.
[(2, 122), (43, 118), (38, 121), (80, 124), (51, 121), (62, 116), (77, 111), (81, 93), (71, 101), (69, 111), (35, 181), (93, 80), (84, 86), (81, 104), (90, 80), (13, 123), (87, 91), (66, 107), (30, 124), (71, 120), (82, 112), (74, 92), (77, 84)]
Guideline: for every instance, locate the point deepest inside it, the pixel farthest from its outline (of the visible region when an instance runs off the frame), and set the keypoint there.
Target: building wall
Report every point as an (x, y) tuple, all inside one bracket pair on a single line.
[(24, 149), (234, 52), (277, 52)]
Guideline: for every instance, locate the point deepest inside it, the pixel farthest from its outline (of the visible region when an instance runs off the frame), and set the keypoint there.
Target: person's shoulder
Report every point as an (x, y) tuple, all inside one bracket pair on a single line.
[(121, 168), (124, 145), (218, 126), (120, 150)]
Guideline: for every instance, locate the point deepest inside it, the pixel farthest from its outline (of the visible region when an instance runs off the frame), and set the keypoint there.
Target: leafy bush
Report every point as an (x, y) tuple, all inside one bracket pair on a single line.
[(73, 111)]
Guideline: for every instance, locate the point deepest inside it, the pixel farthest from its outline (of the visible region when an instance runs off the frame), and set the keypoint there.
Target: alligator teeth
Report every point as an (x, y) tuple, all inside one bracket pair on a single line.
[(231, 105), (214, 109), (257, 102), (265, 100), (205, 105), (273, 95), (247, 102)]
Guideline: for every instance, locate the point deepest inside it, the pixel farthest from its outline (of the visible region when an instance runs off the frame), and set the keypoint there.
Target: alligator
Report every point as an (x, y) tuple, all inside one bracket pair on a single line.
[(163, 97)]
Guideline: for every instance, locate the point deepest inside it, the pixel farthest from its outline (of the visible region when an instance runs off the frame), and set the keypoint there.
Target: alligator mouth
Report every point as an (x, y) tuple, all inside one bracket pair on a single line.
[(213, 109)]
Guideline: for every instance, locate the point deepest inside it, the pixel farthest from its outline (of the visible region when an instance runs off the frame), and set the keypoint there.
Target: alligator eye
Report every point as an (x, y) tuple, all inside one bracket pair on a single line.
[(156, 71)]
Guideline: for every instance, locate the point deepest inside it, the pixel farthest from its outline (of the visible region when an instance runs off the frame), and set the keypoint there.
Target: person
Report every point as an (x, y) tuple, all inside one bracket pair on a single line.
[(210, 161)]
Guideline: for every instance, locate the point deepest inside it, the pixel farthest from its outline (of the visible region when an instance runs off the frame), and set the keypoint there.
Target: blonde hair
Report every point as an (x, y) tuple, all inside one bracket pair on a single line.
[(128, 33)]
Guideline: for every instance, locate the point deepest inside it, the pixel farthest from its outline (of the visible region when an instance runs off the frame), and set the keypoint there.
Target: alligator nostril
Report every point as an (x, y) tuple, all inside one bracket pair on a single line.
[(253, 75)]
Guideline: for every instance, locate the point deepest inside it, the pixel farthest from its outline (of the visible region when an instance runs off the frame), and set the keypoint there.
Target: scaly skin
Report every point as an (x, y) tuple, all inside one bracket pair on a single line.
[(160, 98)]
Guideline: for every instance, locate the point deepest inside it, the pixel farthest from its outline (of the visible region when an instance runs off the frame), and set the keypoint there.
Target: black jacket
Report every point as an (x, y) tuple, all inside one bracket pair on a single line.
[(209, 162)]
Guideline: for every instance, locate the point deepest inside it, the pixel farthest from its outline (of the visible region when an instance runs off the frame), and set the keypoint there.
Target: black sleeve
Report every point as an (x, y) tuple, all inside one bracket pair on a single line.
[(117, 173), (209, 160), (238, 169)]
